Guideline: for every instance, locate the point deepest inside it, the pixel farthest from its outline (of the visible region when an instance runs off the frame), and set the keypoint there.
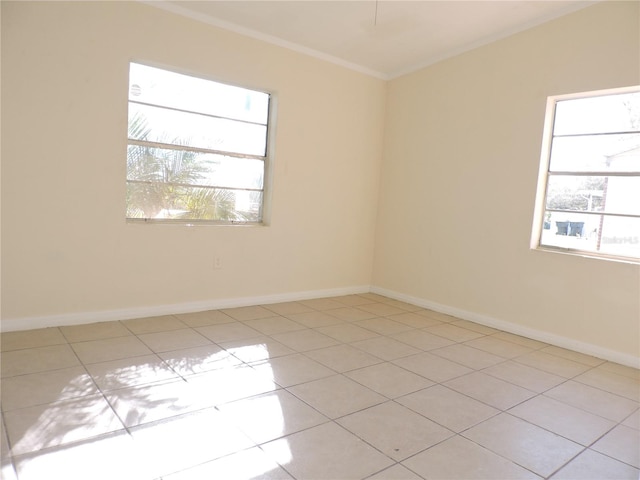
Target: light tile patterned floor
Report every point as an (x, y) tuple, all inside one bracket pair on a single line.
[(352, 387)]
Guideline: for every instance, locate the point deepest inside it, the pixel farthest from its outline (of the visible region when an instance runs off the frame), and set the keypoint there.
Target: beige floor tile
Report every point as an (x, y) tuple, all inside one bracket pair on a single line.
[(458, 458), (414, 320), (272, 415), (40, 359), (620, 370), (271, 325), (452, 332), (210, 420), (499, 347), (552, 364), (621, 443), (243, 314), (7, 470), (251, 464), (527, 445), (350, 314), (432, 367), (476, 327), (162, 323), (96, 351), (4, 442), (575, 356), (490, 390), (381, 309), (343, 358), (315, 319), (288, 308), (322, 303), (93, 459), (594, 400), (524, 376), (374, 297), (228, 332), (94, 331), (130, 372), (451, 409), (218, 387), (46, 387), (395, 430), (202, 319), (187, 440), (468, 356), (396, 472), (570, 422), (174, 340), (612, 382), (633, 420), (34, 428), (256, 348), (336, 396), (527, 342), (190, 361), (386, 348), (304, 340), (383, 326), (442, 317), (591, 465), (409, 307), (347, 332), (337, 454), (292, 370), (389, 380), (352, 300), (158, 401), (42, 337), (422, 340)]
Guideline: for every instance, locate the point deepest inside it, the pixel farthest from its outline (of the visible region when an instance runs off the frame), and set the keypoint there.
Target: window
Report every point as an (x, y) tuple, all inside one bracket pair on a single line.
[(589, 184), (197, 149)]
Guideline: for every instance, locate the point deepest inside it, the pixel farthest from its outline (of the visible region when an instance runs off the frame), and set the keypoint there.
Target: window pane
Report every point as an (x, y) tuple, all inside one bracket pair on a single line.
[(621, 236), (155, 124), (149, 164), (567, 192), (564, 229), (623, 195), (620, 195), (603, 114), (170, 89), (616, 153), (166, 201)]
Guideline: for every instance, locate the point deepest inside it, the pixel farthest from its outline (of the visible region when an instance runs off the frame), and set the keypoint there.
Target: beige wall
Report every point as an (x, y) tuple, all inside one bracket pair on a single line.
[(457, 182), (462, 149), (66, 248)]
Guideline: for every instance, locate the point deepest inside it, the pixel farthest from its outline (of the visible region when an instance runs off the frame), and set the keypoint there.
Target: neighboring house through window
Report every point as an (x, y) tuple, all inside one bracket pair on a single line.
[(589, 183), (197, 149)]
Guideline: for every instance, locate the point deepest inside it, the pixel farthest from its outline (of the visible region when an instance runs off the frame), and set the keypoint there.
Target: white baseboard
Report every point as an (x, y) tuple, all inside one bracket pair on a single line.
[(540, 335), (29, 323)]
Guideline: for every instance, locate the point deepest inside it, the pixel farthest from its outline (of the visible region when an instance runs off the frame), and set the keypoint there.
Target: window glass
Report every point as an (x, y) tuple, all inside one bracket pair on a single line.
[(197, 149), (591, 188)]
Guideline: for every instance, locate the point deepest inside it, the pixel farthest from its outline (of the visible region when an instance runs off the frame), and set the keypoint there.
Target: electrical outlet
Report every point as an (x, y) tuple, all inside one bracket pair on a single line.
[(217, 263)]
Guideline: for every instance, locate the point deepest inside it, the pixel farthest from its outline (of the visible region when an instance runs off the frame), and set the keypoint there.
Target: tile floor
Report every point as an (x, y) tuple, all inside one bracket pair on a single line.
[(352, 387)]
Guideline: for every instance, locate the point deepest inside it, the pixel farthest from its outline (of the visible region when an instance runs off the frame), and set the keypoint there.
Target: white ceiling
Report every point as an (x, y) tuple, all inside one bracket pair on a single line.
[(384, 38)]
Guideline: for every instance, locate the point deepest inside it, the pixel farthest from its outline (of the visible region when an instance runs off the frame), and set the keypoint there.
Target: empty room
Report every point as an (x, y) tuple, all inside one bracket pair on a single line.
[(330, 240)]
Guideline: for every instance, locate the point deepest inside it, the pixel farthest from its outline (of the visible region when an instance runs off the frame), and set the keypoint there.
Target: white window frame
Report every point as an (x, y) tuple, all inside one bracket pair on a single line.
[(544, 173), (264, 209)]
